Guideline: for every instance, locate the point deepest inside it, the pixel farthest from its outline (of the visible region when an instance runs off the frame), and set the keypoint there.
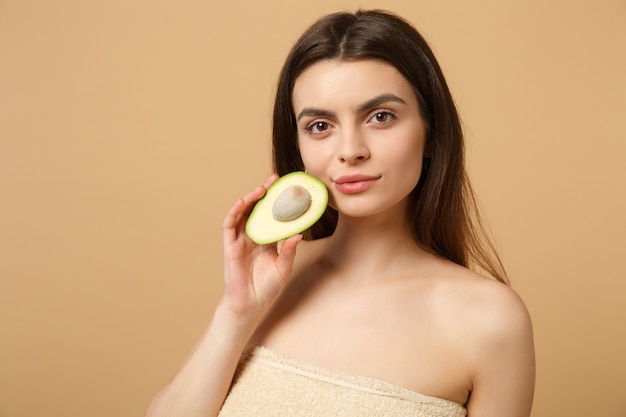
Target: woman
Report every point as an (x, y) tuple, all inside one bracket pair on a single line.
[(379, 313)]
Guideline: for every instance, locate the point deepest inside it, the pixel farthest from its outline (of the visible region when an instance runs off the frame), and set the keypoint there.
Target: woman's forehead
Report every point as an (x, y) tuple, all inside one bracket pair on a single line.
[(330, 82)]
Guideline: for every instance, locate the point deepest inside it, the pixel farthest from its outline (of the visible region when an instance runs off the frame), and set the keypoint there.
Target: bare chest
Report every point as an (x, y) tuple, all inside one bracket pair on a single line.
[(384, 334)]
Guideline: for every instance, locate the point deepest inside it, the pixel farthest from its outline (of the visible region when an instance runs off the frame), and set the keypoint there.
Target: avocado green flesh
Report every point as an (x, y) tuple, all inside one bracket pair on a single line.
[(263, 228)]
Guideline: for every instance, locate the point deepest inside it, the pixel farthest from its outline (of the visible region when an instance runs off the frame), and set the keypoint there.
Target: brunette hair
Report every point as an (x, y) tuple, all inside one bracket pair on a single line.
[(442, 211)]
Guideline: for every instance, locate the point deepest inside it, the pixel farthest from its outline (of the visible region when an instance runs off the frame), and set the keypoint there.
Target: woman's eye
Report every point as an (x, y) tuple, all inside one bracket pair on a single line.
[(317, 127), (382, 117)]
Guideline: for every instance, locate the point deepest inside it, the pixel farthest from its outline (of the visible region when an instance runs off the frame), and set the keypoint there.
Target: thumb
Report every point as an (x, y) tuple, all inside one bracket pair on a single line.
[(284, 261)]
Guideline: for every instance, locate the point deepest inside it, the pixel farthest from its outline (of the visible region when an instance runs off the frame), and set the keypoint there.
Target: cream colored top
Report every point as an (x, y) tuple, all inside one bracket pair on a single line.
[(271, 384)]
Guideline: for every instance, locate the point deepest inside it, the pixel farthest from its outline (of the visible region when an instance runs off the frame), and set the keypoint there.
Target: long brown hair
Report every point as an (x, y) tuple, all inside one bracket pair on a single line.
[(442, 212)]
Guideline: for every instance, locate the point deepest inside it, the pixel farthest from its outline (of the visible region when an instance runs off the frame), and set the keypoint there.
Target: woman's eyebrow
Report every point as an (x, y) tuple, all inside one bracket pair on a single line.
[(377, 101), (314, 112)]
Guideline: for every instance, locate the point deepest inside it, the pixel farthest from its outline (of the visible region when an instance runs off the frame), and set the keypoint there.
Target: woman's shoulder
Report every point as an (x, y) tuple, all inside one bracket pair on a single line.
[(487, 314), (494, 327), (484, 300)]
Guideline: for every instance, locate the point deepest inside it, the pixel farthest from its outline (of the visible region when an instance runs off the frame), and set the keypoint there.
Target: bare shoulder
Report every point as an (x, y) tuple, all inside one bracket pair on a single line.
[(490, 308), (499, 349)]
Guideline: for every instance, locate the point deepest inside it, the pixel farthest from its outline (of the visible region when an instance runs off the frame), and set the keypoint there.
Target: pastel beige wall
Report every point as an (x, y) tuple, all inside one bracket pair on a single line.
[(127, 129)]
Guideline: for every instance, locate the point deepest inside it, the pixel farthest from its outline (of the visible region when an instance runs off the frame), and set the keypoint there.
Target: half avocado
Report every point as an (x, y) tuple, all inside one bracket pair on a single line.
[(290, 206)]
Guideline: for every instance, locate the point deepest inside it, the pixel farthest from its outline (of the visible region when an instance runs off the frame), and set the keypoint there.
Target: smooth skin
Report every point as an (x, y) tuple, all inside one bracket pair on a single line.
[(367, 300)]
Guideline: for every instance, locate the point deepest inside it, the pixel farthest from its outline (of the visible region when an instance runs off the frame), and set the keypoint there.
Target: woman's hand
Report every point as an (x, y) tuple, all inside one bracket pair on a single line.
[(254, 274)]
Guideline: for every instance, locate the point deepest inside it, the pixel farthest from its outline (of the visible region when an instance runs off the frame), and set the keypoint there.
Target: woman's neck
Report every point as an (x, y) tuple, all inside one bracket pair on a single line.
[(372, 247)]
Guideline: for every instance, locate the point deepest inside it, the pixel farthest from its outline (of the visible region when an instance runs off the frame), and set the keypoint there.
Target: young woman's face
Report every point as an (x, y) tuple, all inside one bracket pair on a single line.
[(360, 131)]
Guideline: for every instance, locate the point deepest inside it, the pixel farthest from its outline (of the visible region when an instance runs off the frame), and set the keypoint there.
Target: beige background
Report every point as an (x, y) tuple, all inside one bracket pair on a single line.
[(127, 129)]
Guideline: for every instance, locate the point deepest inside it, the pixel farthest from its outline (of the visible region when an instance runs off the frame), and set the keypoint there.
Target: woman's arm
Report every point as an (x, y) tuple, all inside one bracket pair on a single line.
[(254, 278)]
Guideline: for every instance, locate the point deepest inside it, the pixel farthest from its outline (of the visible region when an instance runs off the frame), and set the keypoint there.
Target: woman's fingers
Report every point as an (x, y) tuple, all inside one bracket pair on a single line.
[(284, 261), (240, 211), (271, 180)]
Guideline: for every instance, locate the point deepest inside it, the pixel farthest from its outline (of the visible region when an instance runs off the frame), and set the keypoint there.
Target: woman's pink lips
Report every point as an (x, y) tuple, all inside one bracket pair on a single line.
[(353, 184)]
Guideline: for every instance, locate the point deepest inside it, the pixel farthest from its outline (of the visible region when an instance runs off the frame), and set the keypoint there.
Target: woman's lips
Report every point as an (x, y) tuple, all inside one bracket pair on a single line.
[(353, 184)]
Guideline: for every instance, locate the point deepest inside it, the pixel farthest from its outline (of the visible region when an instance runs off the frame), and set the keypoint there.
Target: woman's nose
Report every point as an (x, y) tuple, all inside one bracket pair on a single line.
[(353, 147)]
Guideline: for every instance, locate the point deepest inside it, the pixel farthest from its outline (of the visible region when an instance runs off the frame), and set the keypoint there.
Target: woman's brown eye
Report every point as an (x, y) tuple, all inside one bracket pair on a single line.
[(317, 127), (382, 117)]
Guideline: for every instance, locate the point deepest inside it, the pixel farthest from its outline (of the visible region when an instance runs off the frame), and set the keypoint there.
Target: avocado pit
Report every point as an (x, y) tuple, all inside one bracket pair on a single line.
[(291, 203)]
